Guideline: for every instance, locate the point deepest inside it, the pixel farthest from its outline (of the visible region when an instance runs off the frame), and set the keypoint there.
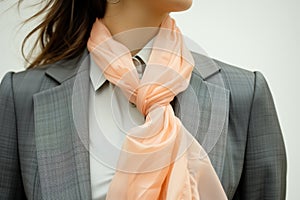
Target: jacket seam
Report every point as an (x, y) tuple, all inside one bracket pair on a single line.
[(16, 130)]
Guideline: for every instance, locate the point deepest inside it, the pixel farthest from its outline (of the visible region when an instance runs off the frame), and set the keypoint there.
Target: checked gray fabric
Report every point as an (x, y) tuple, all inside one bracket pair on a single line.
[(43, 152)]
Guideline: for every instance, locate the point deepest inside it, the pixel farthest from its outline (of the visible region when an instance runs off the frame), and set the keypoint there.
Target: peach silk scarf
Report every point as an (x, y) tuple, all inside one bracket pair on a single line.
[(159, 159)]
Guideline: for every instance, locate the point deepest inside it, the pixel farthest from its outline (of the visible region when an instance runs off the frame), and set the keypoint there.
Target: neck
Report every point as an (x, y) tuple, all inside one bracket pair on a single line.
[(132, 23)]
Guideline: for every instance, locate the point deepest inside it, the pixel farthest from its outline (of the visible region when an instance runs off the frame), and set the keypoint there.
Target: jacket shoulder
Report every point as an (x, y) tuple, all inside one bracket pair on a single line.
[(29, 80), (24, 84), (241, 84), (237, 78), (33, 74), (235, 73)]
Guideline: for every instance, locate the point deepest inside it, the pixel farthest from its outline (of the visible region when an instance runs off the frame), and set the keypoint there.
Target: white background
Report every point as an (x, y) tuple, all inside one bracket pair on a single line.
[(261, 35)]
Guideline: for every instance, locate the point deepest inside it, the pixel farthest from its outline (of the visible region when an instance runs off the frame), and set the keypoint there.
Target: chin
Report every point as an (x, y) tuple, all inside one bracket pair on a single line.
[(181, 5), (168, 6)]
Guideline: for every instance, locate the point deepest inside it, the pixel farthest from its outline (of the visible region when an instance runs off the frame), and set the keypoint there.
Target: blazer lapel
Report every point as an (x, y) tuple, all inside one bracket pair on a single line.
[(62, 134), (204, 108)]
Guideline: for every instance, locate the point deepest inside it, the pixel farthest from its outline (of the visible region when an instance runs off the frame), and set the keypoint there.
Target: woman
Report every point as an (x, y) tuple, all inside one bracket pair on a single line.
[(62, 119)]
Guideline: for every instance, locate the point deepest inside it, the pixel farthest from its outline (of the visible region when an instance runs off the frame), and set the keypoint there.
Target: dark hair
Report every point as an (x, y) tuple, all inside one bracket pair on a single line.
[(64, 30)]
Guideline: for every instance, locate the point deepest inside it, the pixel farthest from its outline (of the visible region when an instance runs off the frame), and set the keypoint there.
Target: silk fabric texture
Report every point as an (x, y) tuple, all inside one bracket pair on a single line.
[(159, 159)]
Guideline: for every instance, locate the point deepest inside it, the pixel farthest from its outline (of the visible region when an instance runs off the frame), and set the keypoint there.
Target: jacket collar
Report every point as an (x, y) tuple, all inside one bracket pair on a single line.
[(64, 70)]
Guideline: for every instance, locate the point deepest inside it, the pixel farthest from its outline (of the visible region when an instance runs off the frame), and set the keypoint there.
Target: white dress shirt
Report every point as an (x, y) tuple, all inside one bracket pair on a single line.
[(110, 116)]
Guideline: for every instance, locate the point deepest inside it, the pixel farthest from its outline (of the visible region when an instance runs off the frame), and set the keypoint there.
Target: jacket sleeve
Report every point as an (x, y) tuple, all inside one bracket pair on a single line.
[(11, 186), (264, 170)]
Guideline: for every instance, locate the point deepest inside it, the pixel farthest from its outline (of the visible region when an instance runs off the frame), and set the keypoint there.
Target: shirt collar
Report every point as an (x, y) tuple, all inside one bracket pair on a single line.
[(96, 75)]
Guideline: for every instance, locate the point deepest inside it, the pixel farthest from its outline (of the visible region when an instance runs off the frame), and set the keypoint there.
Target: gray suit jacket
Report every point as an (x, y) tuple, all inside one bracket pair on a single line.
[(44, 130)]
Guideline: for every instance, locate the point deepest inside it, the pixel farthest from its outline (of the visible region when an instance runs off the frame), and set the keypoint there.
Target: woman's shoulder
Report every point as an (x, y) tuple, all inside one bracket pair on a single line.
[(26, 77), (26, 83), (21, 86), (246, 87), (234, 72), (208, 66), (57, 72), (240, 82)]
